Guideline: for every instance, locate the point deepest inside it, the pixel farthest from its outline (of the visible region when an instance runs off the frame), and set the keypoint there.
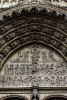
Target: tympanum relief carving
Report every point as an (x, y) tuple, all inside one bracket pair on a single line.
[(34, 65)]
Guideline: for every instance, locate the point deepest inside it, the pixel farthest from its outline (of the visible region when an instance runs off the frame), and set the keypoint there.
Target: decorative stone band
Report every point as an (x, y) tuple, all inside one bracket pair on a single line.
[(10, 3), (44, 5)]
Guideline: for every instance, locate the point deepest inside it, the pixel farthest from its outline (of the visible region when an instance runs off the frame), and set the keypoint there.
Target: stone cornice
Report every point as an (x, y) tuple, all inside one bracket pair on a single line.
[(28, 90)]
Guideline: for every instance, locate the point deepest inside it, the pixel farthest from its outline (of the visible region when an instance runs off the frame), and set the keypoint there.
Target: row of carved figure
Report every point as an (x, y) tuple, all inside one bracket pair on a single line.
[(28, 81), (26, 56), (58, 68)]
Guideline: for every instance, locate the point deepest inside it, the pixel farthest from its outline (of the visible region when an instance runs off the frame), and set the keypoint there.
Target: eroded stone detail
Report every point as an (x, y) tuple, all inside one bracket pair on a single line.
[(47, 67)]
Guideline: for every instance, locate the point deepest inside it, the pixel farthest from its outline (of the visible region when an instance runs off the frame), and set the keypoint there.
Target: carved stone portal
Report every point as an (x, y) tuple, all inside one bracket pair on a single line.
[(34, 66)]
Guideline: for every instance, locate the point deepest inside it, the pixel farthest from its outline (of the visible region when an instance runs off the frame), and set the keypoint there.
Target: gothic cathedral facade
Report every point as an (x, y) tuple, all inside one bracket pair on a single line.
[(33, 52)]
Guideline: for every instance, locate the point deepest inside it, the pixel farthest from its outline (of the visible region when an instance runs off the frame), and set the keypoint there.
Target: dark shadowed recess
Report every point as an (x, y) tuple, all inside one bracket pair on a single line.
[(14, 98), (56, 98)]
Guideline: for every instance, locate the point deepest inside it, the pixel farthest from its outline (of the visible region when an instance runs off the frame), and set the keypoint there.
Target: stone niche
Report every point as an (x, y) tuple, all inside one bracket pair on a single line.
[(34, 65)]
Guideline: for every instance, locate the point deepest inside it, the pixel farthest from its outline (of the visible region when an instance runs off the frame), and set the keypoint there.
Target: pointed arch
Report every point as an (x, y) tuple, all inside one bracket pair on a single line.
[(30, 26)]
